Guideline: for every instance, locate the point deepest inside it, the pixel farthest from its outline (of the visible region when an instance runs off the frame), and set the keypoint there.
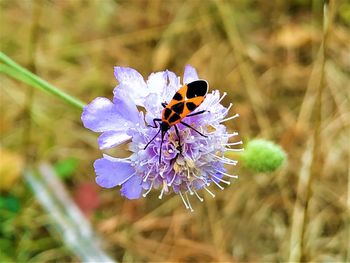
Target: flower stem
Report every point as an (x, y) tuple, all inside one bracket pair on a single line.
[(11, 68)]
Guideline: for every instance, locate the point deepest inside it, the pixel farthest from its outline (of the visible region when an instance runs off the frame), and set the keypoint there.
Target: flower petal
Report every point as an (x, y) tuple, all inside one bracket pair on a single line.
[(102, 115), (112, 173), (126, 106), (132, 82), (173, 82), (110, 139), (163, 92), (157, 82), (153, 107), (190, 74), (132, 189)]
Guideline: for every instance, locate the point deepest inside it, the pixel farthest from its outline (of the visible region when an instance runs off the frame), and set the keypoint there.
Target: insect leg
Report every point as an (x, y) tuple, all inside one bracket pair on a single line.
[(178, 136), (196, 113), (152, 139), (179, 147), (161, 144), (155, 124), (160, 151), (189, 126), (164, 104)]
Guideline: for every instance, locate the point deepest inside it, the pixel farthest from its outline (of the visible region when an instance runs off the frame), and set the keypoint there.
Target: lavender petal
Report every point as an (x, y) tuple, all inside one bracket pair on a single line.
[(125, 105), (132, 82), (102, 115), (157, 82), (112, 173), (190, 74), (132, 189), (111, 139)]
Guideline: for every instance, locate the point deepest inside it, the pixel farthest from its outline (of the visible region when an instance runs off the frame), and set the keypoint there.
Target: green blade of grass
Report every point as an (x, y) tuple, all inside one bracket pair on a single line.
[(14, 70)]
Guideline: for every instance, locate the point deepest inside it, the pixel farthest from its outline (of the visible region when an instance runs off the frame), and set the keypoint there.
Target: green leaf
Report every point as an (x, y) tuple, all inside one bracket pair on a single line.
[(14, 70)]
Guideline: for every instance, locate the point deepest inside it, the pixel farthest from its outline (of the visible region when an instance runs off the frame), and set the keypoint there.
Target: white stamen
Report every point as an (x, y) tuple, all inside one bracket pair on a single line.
[(221, 180), (225, 160), (144, 162), (233, 143), (217, 184), (224, 113), (228, 175), (228, 162), (230, 134), (146, 177), (200, 198), (172, 180), (149, 190), (189, 188), (161, 172), (183, 200), (202, 179), (161, 193), (152, 160), (229, 107), (222, 97), (126, 179), (189, 203), (206, 189), (235, 150), (149, 161), (198, 177), (230, 118), (170, 151), (165, 186)]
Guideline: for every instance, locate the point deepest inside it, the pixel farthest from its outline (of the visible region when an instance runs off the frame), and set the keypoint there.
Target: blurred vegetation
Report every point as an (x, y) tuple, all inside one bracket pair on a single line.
[(268, 55)]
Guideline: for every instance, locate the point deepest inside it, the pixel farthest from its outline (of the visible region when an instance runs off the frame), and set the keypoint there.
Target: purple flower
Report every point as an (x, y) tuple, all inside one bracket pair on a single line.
[(201, 160)]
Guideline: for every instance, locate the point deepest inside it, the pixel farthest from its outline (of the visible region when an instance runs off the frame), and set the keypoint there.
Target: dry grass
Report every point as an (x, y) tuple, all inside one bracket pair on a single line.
[(265, 54)]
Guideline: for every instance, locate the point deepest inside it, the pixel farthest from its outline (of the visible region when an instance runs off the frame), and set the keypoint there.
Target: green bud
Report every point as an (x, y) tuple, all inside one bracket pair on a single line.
[(262, 156)]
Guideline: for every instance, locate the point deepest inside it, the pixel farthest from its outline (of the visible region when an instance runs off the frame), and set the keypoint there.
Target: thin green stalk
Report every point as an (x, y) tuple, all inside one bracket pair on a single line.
[(11, 68), (29, 148)]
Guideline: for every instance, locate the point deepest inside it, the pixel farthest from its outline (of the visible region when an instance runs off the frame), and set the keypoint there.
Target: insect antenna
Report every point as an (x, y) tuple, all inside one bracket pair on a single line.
[(153, 139), (189, 126), (196, 113)]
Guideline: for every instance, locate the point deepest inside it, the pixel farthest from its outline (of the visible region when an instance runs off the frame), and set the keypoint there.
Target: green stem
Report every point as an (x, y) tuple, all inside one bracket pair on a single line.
[(11, 68)]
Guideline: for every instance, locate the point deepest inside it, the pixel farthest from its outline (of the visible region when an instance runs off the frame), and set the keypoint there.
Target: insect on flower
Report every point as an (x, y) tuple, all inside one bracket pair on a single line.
[(185, 100), (184, 156)]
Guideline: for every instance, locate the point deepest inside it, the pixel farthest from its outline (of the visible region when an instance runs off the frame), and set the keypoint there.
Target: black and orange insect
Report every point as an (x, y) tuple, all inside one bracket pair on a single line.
[(185, 101)]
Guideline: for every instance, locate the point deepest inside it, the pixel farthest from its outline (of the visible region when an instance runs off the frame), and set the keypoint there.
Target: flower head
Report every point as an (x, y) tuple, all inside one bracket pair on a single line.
[(263, 156), (189, 161)]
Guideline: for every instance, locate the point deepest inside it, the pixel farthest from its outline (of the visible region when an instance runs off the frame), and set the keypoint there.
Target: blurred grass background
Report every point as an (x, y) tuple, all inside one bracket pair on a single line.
[(268, 56)]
